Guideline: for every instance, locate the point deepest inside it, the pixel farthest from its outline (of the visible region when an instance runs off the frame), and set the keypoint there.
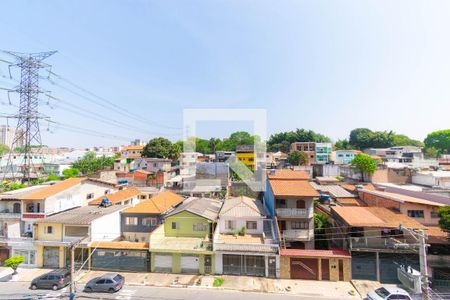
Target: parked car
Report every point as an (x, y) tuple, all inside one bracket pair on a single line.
[(54, 280), (383, 293), (111, 283)]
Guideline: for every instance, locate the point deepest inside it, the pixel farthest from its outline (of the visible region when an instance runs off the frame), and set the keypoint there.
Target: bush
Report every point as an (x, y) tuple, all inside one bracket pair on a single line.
[(218, 281), (13, 262)]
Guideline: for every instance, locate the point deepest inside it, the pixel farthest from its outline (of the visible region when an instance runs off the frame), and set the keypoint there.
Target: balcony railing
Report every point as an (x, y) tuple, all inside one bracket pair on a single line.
[(294, 213), (298, 234), (33, 215), (381, 243), (9, 215)]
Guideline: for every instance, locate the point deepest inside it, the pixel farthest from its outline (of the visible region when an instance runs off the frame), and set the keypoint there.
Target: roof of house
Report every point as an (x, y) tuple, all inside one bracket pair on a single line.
[(436, 235), (20, 193), (82, 215), (378, 217), (326, 179), (120, 245), (287, 174), (128, 148), (242, 207), (348, 202), (54, 189), (295, 188), (205, 207), (334, 190), (157, 204), (401, 198), (118, 196), (336, 253)]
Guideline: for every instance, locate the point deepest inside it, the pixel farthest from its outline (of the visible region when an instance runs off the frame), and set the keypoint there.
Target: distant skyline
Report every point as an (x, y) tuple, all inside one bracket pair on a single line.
[(328, 66)]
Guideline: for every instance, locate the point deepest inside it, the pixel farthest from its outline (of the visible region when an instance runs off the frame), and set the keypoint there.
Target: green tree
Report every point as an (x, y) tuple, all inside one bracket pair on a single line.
[(298, 158), (342, 145), (71, 172), (431, 152), (161, 148), (444, 215), (321, 223), (360, 138), (13, 262), (90, 163), (365, 164), (3, 149), (403, 140), (52, 177), (238, 138), (281, 141), (439, 140)]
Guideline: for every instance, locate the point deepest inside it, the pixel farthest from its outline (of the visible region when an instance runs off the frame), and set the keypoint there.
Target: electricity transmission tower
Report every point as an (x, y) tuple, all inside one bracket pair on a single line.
[(27, 133)]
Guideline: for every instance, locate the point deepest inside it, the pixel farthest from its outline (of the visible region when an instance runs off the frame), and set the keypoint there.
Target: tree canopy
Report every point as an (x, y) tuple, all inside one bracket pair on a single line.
[(440, 140), (281, 141), (363, 138), (298, 158), (161, 148), (71, 172), (444, 221), (3, 149), (365, 164), (90, 163)]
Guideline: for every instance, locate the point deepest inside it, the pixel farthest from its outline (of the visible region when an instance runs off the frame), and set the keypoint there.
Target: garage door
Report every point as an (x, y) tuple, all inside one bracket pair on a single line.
[(51, 257), (189, 264), (163, 263), (304, 268), (364, 266)]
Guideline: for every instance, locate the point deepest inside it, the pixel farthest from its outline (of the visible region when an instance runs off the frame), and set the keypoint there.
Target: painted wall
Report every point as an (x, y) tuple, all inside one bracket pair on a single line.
[(106, 228), (176, 262), (186, 222), (42, 235), (239, 223)]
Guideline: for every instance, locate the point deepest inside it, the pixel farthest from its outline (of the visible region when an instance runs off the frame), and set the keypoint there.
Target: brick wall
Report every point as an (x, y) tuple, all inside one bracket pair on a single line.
[(378, 201)]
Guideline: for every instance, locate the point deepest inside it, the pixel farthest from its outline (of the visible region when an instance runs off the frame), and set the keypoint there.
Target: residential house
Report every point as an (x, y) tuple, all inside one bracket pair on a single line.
[(128, 155), (337, 194), (344, 157), (46, 200), (308, 147), (246, 155), (223, 156), (289, 197), (54, 234), (245, 242), (183, 244), (138, 221), (323, 152), (422, 210), (154, 165), (128, 196), (376, 240), (434, 179)]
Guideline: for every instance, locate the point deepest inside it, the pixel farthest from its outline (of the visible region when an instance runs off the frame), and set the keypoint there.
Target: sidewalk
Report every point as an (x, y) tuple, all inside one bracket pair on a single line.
[(310, 288)]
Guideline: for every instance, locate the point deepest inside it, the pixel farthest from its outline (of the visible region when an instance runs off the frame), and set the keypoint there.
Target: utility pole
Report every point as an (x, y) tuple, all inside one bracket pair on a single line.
[(27, 133), (420, 237), (72, 247)]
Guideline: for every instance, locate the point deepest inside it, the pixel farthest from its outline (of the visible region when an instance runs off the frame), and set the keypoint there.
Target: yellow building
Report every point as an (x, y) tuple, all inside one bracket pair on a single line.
[(246, 155), (54, 235)]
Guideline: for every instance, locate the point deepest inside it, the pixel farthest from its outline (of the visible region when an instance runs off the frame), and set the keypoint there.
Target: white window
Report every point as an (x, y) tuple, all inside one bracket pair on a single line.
[(199, 227), (131, 221), (229, 224), (149, 221), (252, 225)]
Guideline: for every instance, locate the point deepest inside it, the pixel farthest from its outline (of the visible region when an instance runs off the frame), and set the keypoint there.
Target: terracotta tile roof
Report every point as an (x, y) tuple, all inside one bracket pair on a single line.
[(401, 198), (102, 181), (118, 196), (157, 204), (337, 253), (287, 174), (299, 188), (378, 217), (348, 202), (128, 148), (54, 189), (120, 245), (436, 235)]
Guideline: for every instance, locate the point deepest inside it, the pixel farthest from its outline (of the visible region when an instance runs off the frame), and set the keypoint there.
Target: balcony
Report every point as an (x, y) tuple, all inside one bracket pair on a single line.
[(33, 215), (387, 243), (298, 234), (294, 213), (9, 215)]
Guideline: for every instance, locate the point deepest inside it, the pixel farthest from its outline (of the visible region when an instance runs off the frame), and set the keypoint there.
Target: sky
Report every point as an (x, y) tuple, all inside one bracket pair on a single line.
[(131, 67)]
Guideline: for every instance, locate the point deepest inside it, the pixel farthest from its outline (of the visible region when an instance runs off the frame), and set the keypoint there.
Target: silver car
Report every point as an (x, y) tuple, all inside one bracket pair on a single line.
[(108, 283), (383, 293)]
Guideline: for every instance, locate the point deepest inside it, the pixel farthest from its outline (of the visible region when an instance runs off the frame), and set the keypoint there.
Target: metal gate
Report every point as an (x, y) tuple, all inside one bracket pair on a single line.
[(189, 264), (304, 268), (163, 263), (272, 264), (251, 265), (120, 260), (255, 265), (51, 257), (389, 262), (364, 266)]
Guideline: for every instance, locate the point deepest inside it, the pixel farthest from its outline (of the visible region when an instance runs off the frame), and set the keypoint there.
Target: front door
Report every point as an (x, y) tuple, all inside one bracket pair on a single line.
[(207, 264), (51, 257), (325, 269), (272, 266)]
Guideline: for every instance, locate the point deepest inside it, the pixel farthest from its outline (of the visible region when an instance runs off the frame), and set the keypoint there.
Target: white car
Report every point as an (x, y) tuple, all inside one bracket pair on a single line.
[(388, 294)]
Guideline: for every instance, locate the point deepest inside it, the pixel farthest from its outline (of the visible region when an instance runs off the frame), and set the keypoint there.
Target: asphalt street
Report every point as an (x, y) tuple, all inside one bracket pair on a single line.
[(20, 290)]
